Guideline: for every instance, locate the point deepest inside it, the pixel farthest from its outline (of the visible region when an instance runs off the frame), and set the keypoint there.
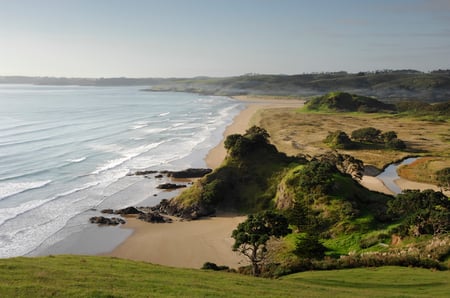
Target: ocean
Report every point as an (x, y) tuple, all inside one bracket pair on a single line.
[(65, 152)]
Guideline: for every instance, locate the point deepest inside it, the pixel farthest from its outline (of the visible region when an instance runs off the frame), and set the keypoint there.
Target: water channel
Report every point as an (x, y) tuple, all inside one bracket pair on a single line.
[(389, 175)]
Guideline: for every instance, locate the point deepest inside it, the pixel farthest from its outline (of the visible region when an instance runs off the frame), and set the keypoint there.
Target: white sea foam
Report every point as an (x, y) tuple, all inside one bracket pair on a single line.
[(126, 156), (8, 189), (139, 124), (164, 114), (76, 160), (11, 212)]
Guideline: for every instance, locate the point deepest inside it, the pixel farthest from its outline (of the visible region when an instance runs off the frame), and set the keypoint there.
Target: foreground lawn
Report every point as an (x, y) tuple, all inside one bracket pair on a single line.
[(82, 276)]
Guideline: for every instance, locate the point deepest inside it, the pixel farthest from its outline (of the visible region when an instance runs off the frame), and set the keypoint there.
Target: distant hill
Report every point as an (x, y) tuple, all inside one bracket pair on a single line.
[(387, 85), (346, 102)]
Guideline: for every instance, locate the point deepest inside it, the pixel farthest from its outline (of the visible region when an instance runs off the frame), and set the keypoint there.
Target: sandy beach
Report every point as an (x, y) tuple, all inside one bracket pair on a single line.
[(190, 244)]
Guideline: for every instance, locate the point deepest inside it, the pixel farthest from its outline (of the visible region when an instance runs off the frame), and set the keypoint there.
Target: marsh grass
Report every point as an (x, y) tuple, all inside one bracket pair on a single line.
[(307, 130)]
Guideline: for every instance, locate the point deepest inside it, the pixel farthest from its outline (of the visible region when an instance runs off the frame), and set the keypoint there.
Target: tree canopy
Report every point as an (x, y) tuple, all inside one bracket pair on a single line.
[(426, 212), (251, 236)]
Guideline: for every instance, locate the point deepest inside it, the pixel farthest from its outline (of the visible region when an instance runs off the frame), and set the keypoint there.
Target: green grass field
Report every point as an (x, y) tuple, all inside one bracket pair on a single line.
[(83, 276)]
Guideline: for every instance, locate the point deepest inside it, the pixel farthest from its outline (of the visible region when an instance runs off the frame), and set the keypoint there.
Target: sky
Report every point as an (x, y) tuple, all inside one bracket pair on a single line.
[(188, 38)]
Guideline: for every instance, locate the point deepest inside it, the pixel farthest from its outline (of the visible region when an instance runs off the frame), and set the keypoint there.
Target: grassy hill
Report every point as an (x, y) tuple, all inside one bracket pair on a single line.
[(346, 102), (83, 276), (245, 183)]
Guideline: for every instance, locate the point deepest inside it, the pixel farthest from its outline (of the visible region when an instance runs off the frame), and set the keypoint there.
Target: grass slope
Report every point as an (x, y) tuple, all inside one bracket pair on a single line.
[(82, 276), (346, 102)]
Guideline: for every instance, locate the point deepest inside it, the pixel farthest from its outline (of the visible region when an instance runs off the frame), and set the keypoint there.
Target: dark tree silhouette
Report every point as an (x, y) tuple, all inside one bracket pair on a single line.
[(251, 236)]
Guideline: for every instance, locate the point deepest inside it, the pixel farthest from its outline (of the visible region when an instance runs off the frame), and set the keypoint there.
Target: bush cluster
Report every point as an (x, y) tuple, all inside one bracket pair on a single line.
[(368, 135)]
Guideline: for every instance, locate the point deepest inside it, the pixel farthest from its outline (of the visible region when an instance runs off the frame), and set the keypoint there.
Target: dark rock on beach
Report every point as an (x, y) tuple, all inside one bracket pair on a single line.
[(106, 221), (170, 186), (154, 217), (190, 173), (128, 211), (141, 173), (194, 211)]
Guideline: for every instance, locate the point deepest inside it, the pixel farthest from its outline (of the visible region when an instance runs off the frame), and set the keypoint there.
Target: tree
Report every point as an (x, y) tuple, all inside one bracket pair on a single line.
[(257, 134), (309, 246), (421, 212), (366, 134), (251, 236), (317, 177), (241, 145)]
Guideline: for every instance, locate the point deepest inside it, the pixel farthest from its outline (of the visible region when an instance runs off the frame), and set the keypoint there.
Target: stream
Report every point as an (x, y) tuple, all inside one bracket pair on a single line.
[(389, 175)]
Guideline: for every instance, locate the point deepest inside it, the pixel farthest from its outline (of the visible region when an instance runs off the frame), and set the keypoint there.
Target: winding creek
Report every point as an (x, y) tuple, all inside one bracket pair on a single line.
[(389, 175)]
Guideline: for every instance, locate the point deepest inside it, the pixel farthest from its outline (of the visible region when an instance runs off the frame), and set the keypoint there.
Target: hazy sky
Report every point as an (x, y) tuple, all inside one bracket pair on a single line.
[(184, 38)]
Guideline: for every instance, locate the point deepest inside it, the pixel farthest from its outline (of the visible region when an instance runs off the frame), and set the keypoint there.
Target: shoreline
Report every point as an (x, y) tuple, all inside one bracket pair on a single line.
[(189, 244)]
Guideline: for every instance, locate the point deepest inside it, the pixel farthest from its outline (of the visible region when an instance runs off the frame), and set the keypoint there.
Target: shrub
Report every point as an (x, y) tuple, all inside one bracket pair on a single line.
[(395, 144), (366, 134), (213, 266), (308, 246), (338, 140)]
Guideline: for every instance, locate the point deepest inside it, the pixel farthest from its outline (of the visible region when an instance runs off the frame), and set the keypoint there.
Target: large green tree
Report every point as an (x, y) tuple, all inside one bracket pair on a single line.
[(251, 236), (421, 212)]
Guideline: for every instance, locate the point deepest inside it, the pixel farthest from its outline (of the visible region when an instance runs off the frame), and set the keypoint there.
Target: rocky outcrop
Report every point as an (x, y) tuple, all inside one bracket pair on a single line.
[(154, 217), (190, 173), (170, 186), (194, 211), (184, 174), (128, 211), (106, 221), (146, 214)]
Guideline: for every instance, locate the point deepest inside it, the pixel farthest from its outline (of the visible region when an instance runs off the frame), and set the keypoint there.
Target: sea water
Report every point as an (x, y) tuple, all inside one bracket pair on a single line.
[(65, 152)]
